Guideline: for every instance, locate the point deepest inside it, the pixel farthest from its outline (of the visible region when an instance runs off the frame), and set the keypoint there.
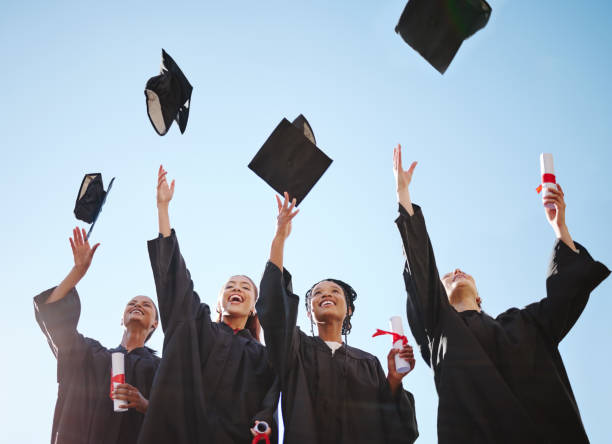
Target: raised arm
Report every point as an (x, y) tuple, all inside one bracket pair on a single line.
[(58, 309), (164, 196), (83, 254), (426, 295), (176, 297), (572, 275), (277, 306)]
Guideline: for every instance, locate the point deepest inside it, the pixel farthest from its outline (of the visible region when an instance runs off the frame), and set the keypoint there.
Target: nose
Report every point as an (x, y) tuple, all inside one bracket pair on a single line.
[(457, 271)]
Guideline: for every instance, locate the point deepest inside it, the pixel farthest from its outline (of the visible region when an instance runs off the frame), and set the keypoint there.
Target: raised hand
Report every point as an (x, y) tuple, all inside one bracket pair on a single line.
[(394, 377), (82, 252), (402, 179), (285, 216), (164, 192), (129, 393), (556, 215)]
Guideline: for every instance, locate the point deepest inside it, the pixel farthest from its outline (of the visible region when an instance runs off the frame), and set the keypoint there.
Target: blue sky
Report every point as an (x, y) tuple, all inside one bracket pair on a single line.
[(535, 79)]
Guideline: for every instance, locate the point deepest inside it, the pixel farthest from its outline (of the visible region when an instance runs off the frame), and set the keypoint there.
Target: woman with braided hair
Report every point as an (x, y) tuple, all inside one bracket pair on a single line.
[(331, 393)]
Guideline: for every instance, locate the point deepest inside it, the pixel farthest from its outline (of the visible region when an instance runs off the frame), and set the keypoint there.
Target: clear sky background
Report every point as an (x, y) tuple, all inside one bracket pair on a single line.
[(537, 78)]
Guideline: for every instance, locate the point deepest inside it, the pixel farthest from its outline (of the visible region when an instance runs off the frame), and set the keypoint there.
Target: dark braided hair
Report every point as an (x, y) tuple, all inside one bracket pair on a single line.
[(349, 296)]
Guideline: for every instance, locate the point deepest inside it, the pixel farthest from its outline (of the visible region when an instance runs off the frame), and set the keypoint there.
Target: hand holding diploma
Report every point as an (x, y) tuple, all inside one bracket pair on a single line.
[(394, 377), (261, 431), (132, 397)]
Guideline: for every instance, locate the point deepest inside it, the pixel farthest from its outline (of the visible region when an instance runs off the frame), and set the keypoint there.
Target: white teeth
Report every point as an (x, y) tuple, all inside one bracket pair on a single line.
[(327, 304), (235, 298)]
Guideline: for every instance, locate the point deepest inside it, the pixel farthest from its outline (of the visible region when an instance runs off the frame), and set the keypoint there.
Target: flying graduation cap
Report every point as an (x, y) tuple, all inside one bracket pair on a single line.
[(436, 28), (290, 160), (168, 97), (90, 199)]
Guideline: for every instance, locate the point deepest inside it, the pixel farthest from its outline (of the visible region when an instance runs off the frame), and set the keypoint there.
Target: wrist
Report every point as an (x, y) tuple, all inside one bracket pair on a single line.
[(279, 239), (163, 205), (394, 383)]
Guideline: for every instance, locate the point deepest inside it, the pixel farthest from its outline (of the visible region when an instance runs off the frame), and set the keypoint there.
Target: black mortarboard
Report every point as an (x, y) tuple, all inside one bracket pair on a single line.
[(90, 199), (168, 97), (289, 160), (436, 28)]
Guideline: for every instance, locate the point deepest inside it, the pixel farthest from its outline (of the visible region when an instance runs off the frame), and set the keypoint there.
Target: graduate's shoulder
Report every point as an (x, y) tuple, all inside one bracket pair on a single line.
[(357, 353)]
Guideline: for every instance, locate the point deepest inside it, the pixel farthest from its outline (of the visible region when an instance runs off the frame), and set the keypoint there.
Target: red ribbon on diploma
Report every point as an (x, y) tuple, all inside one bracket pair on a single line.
[(259, 437), (546, 178), (396, 337), (117, 378)]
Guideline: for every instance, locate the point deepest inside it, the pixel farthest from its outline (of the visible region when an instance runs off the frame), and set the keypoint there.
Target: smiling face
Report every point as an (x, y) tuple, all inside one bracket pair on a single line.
[(458, 284), (237, 297), (327, 302), (140, 311)]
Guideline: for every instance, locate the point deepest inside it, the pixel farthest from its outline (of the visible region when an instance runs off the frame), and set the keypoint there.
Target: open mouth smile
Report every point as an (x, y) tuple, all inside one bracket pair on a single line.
[(327, 303), (137, 310), (235, 299)]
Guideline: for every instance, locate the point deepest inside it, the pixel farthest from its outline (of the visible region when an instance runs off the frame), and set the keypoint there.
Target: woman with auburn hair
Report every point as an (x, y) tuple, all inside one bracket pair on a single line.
[(214, 382)]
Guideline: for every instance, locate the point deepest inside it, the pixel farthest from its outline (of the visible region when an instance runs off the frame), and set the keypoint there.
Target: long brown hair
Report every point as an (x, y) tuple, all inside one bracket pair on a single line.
[(252, 323)]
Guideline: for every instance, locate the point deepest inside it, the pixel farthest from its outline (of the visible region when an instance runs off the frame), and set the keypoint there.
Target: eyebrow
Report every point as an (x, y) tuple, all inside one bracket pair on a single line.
[(241, 283)]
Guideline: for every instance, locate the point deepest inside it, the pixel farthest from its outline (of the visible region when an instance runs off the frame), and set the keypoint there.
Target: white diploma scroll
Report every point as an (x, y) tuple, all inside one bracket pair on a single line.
[(401, 365), (118, 377), (547, 168)]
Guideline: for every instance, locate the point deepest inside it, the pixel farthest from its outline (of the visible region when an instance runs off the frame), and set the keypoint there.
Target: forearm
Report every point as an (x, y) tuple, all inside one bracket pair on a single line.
[(563, 234), (164, 219), (403, 197), (395, 385), (276, 251), (69, 282)]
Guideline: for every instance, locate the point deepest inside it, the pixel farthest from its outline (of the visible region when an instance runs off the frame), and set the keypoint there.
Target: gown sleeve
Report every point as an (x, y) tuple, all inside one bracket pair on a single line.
[(177, 300), (268, 410), (399, 414), (426, 295), (58, 322), (571, 278), (277, 309)]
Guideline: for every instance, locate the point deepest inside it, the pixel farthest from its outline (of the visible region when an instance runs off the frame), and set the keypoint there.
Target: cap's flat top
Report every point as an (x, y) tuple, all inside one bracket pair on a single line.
[(289, 162)]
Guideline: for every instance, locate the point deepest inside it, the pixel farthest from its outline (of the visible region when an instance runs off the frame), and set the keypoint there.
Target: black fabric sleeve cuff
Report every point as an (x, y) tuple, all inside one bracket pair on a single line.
[(58, 314)]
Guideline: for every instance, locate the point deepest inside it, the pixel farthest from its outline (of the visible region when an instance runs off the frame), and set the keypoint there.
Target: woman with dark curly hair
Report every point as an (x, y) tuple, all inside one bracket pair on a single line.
[(331, 393)]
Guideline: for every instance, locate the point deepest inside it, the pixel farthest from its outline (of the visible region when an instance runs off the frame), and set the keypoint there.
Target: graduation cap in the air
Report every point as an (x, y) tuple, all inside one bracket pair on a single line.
[(290, 160), (90, 199), (168, 97), (436, 28)]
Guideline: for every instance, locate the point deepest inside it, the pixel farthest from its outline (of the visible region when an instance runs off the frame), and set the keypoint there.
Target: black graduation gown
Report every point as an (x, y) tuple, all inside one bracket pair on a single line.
[(339, 398), (499, 380), (212, 384), (84, 410)]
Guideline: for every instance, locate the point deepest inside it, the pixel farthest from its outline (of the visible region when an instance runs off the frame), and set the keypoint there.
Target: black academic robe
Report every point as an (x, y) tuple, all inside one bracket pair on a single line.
[(499, 380), (84, 410), (327, 398), (212, 384)]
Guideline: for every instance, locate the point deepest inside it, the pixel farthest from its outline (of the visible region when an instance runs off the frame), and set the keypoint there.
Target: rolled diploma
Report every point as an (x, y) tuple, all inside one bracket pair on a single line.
[(262, 427), (401, 365), (547, 167), (118, 372)]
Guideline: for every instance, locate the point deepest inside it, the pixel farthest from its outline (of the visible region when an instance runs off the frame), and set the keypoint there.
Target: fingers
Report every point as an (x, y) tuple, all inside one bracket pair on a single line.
[(161, 179), (278, 203), (72, 245), (399, 157), (95, 247), (78, 240), (412, 167), (172, 187), (86, 241)]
